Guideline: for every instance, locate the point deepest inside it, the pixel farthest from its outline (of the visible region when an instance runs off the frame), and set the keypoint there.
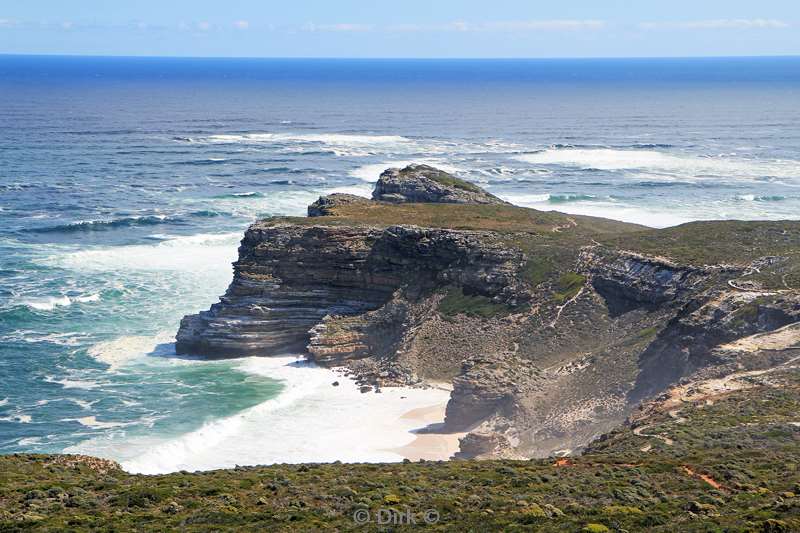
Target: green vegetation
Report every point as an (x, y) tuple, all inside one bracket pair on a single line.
[(455, 302), (724, 242), (569, 284), (537, 270), (646, 334), (499, 218), (733, 466), (449, 180)]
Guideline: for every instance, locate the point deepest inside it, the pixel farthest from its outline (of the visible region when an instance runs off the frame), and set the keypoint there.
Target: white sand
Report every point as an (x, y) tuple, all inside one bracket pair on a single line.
[(432, 445), (310, 421)]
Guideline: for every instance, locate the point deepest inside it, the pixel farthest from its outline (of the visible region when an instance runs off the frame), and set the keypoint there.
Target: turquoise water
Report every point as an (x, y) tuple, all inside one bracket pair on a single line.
[(125, 185)]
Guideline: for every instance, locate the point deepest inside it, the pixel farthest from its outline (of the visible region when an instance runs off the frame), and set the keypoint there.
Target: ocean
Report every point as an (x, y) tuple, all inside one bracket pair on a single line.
[(126, 183)]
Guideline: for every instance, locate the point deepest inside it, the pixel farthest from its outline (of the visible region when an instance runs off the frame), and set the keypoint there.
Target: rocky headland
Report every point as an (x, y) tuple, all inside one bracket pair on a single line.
[(553, 329)]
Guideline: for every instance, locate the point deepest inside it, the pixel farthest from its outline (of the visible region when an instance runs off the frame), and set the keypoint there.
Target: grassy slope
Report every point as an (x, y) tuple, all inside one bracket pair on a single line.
[(745, 441)]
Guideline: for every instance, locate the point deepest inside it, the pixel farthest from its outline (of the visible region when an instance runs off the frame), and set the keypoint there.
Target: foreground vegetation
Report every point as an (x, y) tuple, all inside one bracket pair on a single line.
[(733, 465)]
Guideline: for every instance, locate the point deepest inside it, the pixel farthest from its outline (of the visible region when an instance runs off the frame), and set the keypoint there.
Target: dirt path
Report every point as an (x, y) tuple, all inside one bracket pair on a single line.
[(708, 479), (560, 309), (640, 433)]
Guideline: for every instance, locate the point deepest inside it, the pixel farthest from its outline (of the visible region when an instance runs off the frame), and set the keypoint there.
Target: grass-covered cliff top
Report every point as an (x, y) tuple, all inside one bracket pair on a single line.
[(732, 466), (500, 218), (717, 241), (732, 242), (729, 242)]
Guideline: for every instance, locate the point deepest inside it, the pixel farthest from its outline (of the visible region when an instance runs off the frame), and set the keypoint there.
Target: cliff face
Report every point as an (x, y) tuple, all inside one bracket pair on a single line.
[(289, 278), (551, 328)]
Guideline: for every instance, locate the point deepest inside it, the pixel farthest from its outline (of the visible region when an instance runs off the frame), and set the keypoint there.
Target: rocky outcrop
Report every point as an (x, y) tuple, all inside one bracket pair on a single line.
[(488, 386), (697, 337), (629, 281), (426, 184), (289, 278), (326, 205)]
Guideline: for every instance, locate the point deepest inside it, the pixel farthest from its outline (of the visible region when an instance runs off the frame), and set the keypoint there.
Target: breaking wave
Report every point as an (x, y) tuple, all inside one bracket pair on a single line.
[(668, 165)]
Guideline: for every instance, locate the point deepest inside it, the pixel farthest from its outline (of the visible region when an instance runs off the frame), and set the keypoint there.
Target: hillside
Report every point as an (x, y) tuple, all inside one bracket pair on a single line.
[(718, 461)]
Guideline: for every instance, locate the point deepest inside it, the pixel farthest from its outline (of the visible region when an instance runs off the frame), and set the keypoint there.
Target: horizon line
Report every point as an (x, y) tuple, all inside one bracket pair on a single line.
[(402, 58)]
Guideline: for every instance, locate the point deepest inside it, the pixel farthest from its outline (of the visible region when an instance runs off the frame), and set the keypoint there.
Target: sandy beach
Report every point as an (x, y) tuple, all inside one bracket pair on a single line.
[(431, 446)]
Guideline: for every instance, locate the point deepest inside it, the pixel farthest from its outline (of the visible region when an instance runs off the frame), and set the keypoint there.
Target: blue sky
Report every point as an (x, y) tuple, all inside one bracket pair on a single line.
[(408, 28)]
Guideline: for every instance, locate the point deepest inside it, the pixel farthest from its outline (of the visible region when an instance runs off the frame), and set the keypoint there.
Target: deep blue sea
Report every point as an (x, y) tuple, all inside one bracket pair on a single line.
[(126, 183)]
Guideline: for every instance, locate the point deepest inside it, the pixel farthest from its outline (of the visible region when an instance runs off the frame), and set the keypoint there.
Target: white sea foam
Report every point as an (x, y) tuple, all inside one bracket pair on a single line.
[(92, 422), (340, 139), (757, 198), (123, 350), (309, 421), (645, 216), (340, 144), (30, 336), (3, 402), (50, 303), (73, 383), (364, 190), (684, 166), (83, 404), (193, 253), (21, 419)]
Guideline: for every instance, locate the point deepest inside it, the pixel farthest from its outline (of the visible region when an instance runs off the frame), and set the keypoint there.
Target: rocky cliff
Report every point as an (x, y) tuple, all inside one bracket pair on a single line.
[(551, 328)]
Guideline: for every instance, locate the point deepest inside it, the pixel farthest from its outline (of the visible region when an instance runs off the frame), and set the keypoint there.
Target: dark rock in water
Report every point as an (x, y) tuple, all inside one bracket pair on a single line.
[(335, 383), (325, 205), (426, 184)]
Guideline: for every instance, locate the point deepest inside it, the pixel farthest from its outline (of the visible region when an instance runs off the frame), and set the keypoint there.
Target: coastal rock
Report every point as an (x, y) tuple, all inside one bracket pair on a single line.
[(627, 280), (289, 278), (487, 386), (326, 205), (705, 335), (426, 184), (478, 445)]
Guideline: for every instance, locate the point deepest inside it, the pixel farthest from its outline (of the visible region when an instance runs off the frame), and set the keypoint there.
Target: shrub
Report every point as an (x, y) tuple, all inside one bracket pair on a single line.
[(569, 284), (456, 302)]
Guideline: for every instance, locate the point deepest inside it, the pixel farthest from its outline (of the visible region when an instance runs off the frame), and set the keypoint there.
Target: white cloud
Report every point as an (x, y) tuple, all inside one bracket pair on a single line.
[(504, 26), (718, 24), (545, 25), (67, 25), (203, 26), (241, 24), (311, 27), (8, 23)]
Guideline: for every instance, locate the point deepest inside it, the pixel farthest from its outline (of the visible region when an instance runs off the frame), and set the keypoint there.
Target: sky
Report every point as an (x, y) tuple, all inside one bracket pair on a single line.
[(408, 28)]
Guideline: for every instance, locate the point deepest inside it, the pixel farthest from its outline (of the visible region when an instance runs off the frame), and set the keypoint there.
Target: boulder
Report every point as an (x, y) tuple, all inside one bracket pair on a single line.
[(426, 184)]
